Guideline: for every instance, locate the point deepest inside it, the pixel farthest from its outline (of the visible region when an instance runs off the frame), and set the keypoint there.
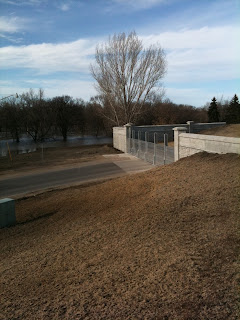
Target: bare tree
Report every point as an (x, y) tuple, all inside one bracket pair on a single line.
[(126, 74), (37, 114)]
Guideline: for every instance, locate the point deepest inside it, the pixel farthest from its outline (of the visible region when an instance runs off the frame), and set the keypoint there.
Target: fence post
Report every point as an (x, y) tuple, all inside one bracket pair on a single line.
[(190, 126), (133, 137), (146, 145), (128, 136), (154, 150), (165, 137), (42, 151), (177, 131), (139, 147)]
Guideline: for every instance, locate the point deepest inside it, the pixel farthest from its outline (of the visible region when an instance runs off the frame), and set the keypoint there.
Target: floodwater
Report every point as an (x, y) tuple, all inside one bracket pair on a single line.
[(27, 145)]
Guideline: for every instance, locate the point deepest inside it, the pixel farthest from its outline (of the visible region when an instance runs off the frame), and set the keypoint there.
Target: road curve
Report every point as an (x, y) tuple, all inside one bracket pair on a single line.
[(24, 184)]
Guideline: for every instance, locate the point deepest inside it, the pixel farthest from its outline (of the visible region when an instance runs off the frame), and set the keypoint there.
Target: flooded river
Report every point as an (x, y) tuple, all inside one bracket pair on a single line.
[(26, 144)]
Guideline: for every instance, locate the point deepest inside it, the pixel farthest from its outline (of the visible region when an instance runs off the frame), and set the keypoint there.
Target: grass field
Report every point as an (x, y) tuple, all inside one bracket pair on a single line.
[(163, 244)]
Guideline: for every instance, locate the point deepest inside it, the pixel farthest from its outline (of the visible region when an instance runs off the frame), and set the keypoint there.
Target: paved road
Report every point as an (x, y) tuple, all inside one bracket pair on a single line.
[(115, 166)]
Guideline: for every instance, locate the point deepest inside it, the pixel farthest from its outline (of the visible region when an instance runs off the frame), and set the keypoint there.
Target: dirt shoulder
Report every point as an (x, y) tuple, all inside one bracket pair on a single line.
[(162, 244), (52, 158)]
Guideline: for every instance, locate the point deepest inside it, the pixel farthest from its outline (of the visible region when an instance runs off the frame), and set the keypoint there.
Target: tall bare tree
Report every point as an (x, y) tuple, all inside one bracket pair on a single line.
[(37, 114), (126, 74)]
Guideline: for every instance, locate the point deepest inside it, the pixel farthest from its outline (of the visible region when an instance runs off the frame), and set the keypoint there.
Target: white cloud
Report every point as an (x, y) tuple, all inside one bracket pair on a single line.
[(206, 37), (194, 56), (49, 58), (12, 24), (23, 2), (64, 7), (200, 54)]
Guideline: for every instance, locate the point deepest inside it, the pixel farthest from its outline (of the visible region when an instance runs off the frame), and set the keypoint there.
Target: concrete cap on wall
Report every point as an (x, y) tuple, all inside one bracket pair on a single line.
[(180, 129), (128, 125)]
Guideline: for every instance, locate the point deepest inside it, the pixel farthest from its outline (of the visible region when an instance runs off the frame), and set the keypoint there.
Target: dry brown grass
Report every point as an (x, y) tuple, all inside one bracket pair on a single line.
[(230, 130), (53, 157), (157, 245)]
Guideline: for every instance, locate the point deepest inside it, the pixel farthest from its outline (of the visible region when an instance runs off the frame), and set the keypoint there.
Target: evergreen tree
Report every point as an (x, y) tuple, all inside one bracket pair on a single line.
[(213, 113), (233, 111)]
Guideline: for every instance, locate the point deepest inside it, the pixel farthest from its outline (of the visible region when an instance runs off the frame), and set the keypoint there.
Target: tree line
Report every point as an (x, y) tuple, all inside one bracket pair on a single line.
[(227, 111), (40, 118), (127, 75)]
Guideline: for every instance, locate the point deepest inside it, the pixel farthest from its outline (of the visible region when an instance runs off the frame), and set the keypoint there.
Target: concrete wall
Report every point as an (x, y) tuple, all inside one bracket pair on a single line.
[(191, 126), (120, 138), (186, 144), (197, 127), (120, 133)]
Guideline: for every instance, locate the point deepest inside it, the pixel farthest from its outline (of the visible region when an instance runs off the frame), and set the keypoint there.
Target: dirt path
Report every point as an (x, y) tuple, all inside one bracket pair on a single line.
[(162, 244)]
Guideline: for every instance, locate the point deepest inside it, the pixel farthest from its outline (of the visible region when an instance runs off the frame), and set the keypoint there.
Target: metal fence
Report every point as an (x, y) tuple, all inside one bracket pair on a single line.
[(146, 146)]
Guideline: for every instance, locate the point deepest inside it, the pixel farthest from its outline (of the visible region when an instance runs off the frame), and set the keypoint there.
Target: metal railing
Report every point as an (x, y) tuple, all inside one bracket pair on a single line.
[(139, 145)]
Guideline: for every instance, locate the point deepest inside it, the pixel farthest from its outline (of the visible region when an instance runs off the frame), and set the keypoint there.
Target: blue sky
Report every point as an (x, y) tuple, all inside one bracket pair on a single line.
[(50, 44)]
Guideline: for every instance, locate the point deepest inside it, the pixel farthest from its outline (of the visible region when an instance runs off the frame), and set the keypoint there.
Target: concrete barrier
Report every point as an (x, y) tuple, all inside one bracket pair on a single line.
[(7, 213), (120, 134), (186, 144), (120, 137)]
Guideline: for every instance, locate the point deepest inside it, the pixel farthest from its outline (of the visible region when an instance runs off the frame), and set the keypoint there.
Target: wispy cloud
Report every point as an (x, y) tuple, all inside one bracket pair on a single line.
[(138, 4), (23, 2), (9, 38), (49, 58), (64, 6), (194, 56), (205, 37), (12, 24), (116, 6), (200, 54)]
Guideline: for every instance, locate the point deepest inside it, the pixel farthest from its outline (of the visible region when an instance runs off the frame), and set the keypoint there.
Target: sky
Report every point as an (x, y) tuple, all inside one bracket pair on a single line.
[(50, 44)]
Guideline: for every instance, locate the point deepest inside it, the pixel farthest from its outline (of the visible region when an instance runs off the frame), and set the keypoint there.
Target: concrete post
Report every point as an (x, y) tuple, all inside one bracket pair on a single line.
[(190, 126), (177, 131), (128, 128), (7, 213)]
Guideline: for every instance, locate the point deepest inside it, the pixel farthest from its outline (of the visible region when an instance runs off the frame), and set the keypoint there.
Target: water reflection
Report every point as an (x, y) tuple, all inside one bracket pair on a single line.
[(26, 144)]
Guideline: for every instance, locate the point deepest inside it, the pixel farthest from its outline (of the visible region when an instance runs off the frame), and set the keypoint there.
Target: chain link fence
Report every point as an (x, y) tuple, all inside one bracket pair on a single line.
[(146, 146)]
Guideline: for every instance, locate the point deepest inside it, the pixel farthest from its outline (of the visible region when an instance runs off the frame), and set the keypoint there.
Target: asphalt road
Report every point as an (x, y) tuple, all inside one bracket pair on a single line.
[(113, 166), (33, 182)]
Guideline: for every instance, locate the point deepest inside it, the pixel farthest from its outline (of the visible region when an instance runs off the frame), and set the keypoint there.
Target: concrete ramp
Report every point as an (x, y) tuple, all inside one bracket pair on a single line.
[(129, 163)]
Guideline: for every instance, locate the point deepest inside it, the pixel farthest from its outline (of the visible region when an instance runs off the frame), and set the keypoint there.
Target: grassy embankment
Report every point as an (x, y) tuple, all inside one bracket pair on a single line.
[(162, 244)]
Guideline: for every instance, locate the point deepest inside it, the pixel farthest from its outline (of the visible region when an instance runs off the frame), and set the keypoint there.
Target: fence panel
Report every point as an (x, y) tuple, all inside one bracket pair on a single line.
[(152, 152)]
